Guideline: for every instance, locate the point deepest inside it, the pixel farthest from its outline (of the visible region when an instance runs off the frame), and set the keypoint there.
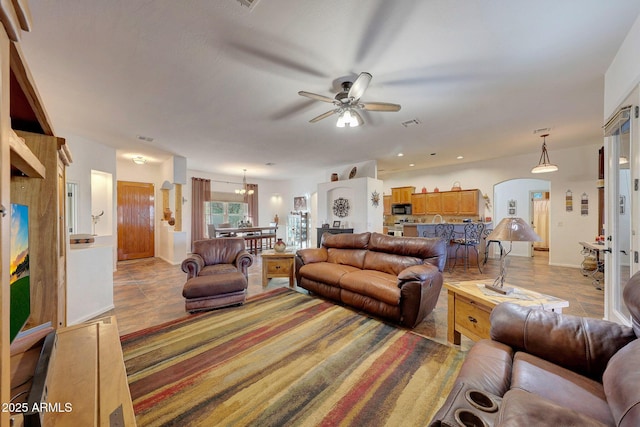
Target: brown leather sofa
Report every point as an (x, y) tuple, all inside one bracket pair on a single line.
[(544, 368), (217, 274), (397, 278)]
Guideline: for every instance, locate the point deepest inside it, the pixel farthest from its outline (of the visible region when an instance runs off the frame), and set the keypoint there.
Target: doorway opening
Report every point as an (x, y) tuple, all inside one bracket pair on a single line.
[(540, 218)]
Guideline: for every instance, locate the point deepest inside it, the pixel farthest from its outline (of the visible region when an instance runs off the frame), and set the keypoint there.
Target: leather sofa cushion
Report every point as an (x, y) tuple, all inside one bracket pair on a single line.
[(620, 380), (217, 269), (206, 286), (562, 386), (375, 284), (352, 257), (388, 263), (326, 272), (520, 408)]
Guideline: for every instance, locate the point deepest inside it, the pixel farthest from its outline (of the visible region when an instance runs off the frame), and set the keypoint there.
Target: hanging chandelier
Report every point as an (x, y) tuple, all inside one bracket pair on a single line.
[(544, 164), (244, 190)]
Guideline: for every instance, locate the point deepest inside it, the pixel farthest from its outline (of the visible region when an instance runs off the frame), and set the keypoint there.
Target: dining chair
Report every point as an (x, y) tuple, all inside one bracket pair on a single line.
[(469, 240)]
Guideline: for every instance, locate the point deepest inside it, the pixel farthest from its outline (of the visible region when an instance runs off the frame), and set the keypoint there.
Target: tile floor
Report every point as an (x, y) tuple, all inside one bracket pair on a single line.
[(148, 292)]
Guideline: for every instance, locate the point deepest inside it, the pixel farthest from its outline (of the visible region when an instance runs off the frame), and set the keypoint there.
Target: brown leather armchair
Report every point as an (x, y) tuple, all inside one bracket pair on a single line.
[(217, 274), (545, 368)]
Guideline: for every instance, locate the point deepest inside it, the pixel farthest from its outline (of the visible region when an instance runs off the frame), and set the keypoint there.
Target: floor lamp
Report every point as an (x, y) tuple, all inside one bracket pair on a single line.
[(510, 229)]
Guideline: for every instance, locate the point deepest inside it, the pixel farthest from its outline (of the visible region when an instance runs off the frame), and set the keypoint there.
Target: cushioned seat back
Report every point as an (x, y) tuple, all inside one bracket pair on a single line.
[(219, 251), (407, 249), (621, 382), (622, 376), (389, 263), (631, 297), (347, 249)]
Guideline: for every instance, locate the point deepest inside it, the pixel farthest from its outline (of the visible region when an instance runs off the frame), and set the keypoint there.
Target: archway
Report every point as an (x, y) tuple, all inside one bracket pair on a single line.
[(514, 198)]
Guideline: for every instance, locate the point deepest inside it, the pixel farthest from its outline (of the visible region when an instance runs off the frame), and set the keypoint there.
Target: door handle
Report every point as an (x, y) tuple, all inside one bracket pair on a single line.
[(607, 250)]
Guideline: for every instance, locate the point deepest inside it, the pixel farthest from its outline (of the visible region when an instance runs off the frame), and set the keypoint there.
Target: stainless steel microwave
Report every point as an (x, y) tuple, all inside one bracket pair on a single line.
[(402, 209)]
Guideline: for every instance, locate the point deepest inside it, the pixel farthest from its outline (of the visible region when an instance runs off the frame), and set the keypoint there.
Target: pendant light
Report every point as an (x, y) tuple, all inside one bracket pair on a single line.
[(244, 189), (544, 164)]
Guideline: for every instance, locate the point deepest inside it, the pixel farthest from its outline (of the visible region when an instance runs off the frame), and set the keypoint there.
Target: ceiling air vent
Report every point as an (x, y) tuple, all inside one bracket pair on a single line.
[(412, 122), (145, 138), (249, 4)]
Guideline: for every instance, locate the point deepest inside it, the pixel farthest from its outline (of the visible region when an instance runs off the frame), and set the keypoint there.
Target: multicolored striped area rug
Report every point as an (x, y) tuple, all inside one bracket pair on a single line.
[(285, 358)]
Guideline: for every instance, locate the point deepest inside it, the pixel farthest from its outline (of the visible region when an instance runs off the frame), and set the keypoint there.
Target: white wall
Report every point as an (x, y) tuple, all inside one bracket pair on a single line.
[(578, 171), (88, 156), (623, 75)]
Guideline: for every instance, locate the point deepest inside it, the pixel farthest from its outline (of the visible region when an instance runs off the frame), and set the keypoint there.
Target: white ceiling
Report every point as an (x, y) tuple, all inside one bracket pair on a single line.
[(217, 83)]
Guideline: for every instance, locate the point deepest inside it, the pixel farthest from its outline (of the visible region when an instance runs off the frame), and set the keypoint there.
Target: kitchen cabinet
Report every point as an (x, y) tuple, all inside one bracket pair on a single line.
[(410, 230), (464, 202), (386, 203), (470, 203), (419, 203), (450, 202), (433, 203), (402, 194)]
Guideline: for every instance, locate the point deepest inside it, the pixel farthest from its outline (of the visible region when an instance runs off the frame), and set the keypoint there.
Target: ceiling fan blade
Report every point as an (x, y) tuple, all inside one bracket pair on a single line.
[(323, 116), (380, 106), (316, 96), (359, 86)]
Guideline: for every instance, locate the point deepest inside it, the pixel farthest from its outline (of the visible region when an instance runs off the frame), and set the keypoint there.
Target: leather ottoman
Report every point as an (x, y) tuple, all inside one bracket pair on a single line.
[(214, 291)]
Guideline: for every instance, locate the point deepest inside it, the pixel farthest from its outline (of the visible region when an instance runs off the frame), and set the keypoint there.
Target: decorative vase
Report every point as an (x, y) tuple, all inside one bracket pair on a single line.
[(280, 246), (334, 177), (167, 214), (424, 190)]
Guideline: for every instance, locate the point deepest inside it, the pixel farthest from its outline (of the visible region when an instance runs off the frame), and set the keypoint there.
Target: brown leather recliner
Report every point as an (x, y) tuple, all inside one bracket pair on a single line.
[(217, 274), (545, 368)]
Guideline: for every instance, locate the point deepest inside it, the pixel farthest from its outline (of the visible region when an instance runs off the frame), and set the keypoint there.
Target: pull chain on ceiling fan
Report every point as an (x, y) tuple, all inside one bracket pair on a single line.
[(348, 102)]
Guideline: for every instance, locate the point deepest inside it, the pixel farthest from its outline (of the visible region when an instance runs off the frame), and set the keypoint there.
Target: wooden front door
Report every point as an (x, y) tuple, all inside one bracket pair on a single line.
[(135, 220)]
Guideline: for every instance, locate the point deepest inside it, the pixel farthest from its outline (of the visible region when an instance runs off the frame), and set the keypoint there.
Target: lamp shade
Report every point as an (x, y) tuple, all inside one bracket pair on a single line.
[(513, 229)]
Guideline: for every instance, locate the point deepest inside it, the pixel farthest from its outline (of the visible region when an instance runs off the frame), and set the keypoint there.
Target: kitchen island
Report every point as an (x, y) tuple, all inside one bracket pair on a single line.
[(429, 230)]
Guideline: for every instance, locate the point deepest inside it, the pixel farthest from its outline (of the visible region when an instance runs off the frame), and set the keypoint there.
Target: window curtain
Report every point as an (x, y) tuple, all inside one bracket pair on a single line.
[(200, 193), (252, 202)]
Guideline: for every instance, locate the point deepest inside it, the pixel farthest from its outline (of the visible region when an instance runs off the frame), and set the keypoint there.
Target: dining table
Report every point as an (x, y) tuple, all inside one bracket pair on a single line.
[(253, 236)]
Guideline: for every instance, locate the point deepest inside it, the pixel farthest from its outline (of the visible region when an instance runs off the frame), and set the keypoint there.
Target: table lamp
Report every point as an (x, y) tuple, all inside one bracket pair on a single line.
[(510, 229)]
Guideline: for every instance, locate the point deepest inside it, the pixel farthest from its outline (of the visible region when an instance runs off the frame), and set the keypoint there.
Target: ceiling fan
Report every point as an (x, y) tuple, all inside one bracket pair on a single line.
[(347, 102)]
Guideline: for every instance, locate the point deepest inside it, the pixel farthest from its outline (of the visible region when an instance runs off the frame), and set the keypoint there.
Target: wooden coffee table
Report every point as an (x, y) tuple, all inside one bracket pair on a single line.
[(470, 304), (277, 264)]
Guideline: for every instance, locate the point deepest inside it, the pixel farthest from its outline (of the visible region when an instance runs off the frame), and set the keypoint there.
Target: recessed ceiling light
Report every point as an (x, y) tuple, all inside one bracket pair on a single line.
[(400, 154), (412, 164), (433, 154), (460, 157), (139, 160)]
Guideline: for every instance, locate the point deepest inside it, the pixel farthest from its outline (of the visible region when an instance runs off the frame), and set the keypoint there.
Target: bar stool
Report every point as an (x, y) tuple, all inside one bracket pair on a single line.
[(488, 243), (469, 240), (443, 232)]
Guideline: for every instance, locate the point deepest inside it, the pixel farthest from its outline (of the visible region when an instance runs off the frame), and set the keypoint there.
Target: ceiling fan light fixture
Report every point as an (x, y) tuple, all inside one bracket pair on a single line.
[(347, 119), (544, 164)]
